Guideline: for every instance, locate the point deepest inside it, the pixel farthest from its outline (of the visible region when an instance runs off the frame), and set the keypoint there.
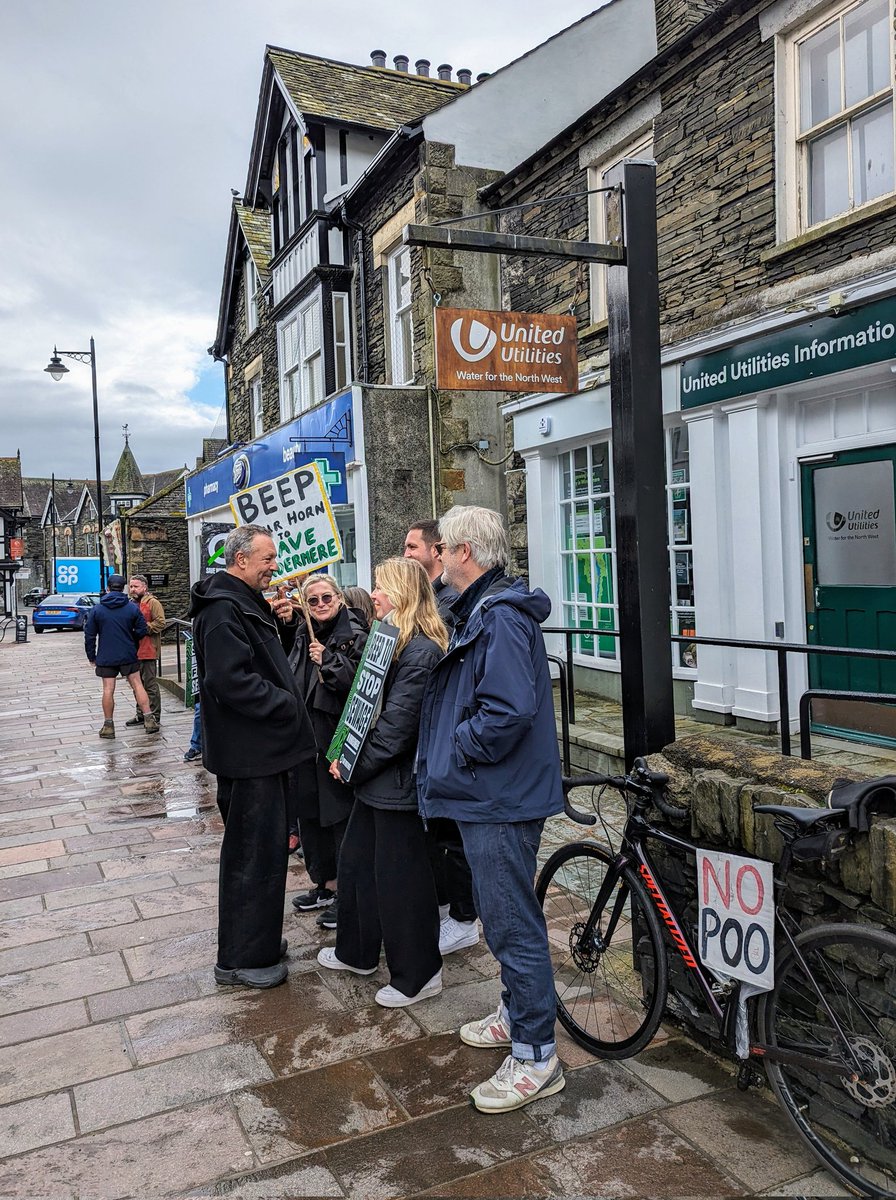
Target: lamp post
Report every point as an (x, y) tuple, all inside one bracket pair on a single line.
[(56, 370), (53, 513)]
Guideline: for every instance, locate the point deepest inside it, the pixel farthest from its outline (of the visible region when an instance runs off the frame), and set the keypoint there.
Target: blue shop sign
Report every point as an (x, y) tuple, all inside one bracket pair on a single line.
[(324, 435), (77, 575)]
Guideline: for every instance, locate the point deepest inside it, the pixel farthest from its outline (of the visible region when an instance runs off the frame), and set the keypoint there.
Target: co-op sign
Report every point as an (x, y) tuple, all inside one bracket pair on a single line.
[(478, 351)]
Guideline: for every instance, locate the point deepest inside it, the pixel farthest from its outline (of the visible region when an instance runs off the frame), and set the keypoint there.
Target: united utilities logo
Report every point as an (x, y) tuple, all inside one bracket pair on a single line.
[(835, 521), (480, 339)]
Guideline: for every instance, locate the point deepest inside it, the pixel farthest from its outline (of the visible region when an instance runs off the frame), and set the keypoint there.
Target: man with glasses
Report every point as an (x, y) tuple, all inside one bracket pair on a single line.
[(488, 759), (255, 731)]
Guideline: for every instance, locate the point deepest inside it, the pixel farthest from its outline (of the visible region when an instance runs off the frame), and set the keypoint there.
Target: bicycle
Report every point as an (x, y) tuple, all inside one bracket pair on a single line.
[(826, 1030)]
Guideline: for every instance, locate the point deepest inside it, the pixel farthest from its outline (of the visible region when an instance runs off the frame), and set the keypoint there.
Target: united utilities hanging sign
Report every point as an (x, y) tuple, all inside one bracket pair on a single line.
[(824, 346), (479, 351)]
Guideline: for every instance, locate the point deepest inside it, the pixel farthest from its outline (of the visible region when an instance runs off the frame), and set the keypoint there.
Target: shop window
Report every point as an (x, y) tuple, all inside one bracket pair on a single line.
[(398, 315), (640, 147), (681, 553), (341, 346), (836, 120), (301, 363), (587, 553), (256, 410)]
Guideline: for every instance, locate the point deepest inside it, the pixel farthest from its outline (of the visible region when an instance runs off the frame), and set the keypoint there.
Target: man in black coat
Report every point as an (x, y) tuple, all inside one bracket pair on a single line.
[(255, 730)]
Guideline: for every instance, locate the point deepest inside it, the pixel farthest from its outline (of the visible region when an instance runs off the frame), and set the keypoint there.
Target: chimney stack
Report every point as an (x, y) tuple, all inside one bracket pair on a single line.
[(464, 76), (378, 58), (445, 71), (422, 65), (401, 62)]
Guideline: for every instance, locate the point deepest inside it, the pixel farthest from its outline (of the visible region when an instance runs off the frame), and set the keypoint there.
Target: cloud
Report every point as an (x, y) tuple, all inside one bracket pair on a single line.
[(125, 127)]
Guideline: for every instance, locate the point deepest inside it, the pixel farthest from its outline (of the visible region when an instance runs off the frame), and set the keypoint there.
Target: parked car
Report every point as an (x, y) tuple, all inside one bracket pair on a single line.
[(35, 596), (62, 612)]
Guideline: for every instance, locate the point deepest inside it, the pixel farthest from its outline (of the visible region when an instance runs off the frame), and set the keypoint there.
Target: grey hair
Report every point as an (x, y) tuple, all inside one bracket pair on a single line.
[(322, 577), (482, 528), (141, 579), (239, 541)]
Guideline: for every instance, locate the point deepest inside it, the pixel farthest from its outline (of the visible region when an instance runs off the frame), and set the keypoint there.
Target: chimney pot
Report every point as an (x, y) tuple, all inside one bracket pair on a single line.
[(422, 65), (464, 76), (482, 75), (401, 62), (378, 58), (445, 71)]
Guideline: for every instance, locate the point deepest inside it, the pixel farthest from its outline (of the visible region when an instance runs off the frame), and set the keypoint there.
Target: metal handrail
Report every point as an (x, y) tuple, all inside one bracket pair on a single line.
[(780, 649)]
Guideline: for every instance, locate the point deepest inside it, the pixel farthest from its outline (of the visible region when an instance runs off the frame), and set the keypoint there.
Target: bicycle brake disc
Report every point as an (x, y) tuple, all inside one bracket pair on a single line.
[(877, 1086)]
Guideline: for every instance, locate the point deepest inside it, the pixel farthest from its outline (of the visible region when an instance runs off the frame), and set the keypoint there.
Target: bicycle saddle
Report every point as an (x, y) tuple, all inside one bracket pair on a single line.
[(862, 800), (802, 818)]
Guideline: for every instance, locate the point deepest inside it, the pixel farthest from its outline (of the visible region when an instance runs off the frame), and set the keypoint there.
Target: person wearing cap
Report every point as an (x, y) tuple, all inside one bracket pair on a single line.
[(118, 624)]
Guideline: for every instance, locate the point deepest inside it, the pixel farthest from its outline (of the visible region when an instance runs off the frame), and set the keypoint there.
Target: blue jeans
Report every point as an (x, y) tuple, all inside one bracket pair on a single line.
[(196, 737), (502, 858)]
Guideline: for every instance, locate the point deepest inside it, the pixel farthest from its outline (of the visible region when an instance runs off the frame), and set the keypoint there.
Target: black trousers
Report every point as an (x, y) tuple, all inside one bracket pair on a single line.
[(252, 872), (454, 879), (321, 845), (387, 896)]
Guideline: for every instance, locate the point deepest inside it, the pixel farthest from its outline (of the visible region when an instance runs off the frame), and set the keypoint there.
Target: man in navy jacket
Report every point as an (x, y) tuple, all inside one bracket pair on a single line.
[(488, 759), (119, 625)]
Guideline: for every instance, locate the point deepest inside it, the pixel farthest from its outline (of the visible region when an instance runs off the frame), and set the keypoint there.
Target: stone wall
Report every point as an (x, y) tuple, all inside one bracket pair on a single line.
[(158, 542), (258, 348), (720, 782)]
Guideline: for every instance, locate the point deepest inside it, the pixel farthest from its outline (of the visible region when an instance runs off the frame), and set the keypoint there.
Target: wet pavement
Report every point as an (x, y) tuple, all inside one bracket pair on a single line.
[(125, 1071)]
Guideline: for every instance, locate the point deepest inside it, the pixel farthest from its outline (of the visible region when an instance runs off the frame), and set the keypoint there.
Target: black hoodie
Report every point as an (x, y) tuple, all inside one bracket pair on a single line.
[(254, 720)]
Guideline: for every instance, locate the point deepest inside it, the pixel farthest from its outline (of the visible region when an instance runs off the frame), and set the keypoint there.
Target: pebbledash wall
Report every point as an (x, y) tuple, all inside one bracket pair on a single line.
[(778, 355)]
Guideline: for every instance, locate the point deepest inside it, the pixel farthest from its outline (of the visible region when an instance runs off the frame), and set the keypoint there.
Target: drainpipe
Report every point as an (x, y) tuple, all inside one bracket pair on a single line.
[(361, 270)]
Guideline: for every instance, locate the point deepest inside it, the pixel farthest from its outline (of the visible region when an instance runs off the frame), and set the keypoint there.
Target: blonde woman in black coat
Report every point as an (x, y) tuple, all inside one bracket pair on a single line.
[(387, 893)]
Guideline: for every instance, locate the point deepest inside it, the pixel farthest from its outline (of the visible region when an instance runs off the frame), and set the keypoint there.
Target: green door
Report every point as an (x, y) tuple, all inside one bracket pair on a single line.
[(849, 546)]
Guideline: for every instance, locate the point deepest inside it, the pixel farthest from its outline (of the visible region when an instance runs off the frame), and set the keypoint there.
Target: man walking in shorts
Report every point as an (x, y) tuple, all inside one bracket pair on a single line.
[(119, 626)]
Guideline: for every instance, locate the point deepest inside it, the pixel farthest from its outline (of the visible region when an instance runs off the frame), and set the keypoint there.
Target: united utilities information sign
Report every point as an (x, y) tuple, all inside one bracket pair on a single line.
[(824, 346)]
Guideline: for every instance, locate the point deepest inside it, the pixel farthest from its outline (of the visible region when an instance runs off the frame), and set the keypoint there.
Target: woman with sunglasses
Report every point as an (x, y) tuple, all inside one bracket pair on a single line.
[(324, 666), (387, 893)]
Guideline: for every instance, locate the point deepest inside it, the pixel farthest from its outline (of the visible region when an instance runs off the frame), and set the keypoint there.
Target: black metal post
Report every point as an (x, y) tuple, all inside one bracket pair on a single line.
[(53, 507), (784, 702), (642, 556), (570, 681), (99, 476)]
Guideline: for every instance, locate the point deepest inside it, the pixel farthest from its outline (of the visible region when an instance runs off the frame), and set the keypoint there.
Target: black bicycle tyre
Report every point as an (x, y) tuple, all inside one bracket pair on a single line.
[(833, 1139), (637, 1013)]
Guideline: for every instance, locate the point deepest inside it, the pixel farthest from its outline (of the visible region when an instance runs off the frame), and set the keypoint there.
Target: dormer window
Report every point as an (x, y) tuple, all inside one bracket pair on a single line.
[(287, 188)]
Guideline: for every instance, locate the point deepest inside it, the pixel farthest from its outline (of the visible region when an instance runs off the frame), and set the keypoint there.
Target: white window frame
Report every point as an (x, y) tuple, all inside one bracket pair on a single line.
[(640, 146), (399, 320), (793, 145), (680, 534), (342, 347), (301, 371), (256, 406), (252, 286)]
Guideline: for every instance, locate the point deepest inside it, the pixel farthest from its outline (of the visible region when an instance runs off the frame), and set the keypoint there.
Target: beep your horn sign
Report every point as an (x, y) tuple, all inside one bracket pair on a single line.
[(477, 350), (296, 510)]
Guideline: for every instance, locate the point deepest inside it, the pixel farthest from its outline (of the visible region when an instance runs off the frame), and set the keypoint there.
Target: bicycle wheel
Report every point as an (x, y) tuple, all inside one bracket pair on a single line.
[(610, 970), (848, 980)]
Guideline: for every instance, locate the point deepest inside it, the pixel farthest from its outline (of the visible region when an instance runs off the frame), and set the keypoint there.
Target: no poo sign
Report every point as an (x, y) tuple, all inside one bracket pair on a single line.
[(737, 917), (296, 509)]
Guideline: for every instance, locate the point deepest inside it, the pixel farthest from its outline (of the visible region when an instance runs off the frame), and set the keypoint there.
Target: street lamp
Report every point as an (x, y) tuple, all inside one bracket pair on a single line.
[(56, 370)]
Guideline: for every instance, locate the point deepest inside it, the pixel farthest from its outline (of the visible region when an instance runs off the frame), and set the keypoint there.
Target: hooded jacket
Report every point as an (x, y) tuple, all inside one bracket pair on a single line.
[(488, 739), (254, 721), (119, 624)]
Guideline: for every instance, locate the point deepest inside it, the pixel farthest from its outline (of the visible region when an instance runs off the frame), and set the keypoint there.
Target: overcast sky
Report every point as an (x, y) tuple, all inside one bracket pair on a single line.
[(125, 125)]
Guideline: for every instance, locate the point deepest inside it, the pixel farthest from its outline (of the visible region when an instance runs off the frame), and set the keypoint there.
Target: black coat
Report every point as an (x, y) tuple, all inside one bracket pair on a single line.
[(254, 720), (384, 773), (318, 794)]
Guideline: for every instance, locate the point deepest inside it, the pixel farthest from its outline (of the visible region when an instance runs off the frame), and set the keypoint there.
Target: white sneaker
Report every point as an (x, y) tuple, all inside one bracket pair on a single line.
[(517, 1083), (493, 1030), (327, 958), (390, 997), (456, 935)]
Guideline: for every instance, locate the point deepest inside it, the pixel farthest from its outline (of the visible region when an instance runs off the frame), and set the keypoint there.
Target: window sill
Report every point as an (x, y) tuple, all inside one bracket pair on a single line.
[(818, 233), (594, 328)]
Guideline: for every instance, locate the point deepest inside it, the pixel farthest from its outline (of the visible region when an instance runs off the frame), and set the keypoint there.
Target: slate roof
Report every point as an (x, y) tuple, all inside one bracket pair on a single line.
[(256, 226), (375, 97), (11, 484), (37, 489), (127, 480)]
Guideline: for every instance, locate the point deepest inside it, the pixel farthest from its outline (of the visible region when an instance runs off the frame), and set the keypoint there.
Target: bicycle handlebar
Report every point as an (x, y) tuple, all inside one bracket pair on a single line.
[(641, 780)]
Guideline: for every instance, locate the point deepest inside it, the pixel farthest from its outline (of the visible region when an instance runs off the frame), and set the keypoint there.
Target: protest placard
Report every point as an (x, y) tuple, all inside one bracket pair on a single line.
[(296, 510), (364, 699), (737, 917)]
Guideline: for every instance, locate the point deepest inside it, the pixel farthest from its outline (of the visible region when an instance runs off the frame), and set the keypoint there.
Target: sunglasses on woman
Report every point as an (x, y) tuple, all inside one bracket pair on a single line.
[(313, 601)]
